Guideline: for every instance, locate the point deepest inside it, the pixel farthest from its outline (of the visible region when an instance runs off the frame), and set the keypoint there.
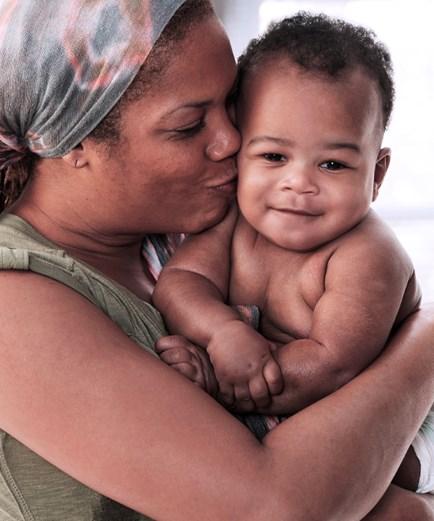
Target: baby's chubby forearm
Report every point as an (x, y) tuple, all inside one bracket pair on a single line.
[(309, 373), (191, 305)]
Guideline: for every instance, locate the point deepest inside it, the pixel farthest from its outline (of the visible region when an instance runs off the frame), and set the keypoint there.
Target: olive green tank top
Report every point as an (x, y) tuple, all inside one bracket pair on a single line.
[(31, 489)]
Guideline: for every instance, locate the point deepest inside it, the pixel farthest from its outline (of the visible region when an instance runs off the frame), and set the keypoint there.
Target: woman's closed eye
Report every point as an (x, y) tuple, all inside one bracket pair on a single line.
[(190, 130)]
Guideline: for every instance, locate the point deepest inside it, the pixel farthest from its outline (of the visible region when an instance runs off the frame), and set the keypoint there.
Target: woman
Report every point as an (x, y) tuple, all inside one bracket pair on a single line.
[(78, 397)]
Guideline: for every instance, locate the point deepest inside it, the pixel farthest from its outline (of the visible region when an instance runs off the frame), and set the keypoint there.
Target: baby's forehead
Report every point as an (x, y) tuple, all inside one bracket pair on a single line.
[(280, 75), (286, 99)]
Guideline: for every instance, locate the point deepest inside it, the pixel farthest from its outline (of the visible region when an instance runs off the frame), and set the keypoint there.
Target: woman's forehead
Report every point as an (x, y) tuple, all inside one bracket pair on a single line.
[(201, 69)]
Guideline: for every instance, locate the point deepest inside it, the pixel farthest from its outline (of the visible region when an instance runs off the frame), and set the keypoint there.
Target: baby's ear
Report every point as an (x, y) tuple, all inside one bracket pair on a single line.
[(381, 166)]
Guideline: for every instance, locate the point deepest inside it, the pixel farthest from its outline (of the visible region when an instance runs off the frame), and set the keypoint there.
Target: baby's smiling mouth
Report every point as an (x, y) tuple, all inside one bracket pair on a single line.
[(298, 211)]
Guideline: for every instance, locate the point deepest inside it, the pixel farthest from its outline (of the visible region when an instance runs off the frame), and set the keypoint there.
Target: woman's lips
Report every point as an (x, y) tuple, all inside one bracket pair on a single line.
[(229, 187), (226, 185)]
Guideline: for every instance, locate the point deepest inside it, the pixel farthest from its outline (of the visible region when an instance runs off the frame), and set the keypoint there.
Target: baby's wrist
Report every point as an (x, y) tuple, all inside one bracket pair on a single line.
[(222, 339), (228, 328)]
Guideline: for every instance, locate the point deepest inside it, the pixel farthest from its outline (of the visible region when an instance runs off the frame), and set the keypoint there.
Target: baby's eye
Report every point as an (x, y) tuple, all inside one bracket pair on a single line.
[(274, 157), (333, 165)]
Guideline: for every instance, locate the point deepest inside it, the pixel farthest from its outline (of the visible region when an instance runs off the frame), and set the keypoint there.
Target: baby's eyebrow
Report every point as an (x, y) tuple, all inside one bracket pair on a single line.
[(288, 143), (267, 139), (343, 144)]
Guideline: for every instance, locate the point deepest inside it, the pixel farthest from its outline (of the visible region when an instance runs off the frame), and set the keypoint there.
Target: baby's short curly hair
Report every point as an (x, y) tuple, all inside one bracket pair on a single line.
[(327, 46)]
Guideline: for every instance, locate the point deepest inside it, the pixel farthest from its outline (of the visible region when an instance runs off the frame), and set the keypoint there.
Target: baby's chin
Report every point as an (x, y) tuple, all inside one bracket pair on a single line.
[(296, 241), (304, 245)]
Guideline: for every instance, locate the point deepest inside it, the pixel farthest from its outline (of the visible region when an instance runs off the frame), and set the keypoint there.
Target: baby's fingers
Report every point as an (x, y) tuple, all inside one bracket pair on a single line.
[(273, 376), (226, 393), (242, 392), (259, 391)]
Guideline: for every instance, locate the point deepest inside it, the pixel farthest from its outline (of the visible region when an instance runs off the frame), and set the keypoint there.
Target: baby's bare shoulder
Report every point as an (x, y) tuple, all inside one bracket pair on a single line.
[(374, 237), (372, 245), (373, 254)]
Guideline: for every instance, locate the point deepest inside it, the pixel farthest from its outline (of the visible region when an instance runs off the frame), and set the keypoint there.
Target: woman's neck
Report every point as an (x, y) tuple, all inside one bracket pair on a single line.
[(116, 256)]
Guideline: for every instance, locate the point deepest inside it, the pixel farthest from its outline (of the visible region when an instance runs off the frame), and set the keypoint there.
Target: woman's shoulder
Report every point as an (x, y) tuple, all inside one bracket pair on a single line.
[(20, 243), (24, 249)]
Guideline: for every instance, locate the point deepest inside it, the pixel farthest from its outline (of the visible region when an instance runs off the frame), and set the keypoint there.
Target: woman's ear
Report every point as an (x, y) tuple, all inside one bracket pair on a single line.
[(77, 157), (381, 166)]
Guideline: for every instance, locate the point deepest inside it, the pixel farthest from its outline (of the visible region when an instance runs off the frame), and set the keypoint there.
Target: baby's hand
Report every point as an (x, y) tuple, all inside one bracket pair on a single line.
[(244, 364), (188, 359)]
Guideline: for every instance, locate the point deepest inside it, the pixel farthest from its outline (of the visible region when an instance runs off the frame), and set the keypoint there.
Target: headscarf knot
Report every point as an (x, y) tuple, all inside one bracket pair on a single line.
[(12, 151)]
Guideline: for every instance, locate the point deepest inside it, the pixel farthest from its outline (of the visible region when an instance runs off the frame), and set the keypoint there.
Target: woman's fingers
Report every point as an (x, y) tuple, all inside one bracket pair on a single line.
[(398, 504), (176, 355), (190, 360), (189, 371), (169, 342)]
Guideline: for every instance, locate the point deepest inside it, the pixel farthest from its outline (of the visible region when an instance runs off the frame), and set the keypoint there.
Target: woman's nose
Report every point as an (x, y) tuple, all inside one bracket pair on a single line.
[(300, 180), (226, 142)]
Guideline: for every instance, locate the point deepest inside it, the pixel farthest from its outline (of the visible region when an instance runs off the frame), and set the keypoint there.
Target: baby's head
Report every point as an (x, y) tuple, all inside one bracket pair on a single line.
[(315, 97)]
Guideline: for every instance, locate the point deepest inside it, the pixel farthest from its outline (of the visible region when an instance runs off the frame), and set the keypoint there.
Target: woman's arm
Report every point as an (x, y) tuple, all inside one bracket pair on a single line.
[(68, 372), (401, 505)]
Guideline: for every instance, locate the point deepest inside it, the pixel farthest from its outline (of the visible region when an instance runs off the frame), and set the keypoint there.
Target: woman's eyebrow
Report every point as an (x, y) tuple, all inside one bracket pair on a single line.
[(188, 105)]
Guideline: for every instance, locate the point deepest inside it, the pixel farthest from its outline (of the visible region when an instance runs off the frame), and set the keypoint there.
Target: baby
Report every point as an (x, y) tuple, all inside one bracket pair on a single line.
[(329, 277)]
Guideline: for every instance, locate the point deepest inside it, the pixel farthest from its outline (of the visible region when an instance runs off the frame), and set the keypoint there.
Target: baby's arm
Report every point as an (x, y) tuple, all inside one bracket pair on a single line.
[(194, 284), (191, 294), (369, 282)]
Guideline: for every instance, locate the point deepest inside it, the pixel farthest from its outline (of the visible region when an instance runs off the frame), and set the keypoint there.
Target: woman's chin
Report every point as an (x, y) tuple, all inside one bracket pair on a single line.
[(208, 219)]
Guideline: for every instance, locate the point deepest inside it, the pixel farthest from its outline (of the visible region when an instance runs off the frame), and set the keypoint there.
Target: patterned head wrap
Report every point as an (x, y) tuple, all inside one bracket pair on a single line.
[(65, 63)]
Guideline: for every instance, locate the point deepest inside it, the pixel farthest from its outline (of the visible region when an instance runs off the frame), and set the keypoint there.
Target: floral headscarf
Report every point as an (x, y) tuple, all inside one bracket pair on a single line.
[(65, 63)]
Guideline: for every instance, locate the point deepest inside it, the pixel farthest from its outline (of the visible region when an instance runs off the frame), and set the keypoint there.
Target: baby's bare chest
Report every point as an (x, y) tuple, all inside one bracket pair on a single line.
[(286, 285)]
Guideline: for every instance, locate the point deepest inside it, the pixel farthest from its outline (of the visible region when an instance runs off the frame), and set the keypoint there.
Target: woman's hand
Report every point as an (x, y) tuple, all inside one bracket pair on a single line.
[(188, 359), (402, 505)]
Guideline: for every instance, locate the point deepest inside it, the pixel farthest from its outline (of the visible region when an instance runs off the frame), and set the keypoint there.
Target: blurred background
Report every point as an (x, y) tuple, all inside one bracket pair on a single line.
[(406, 200)]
